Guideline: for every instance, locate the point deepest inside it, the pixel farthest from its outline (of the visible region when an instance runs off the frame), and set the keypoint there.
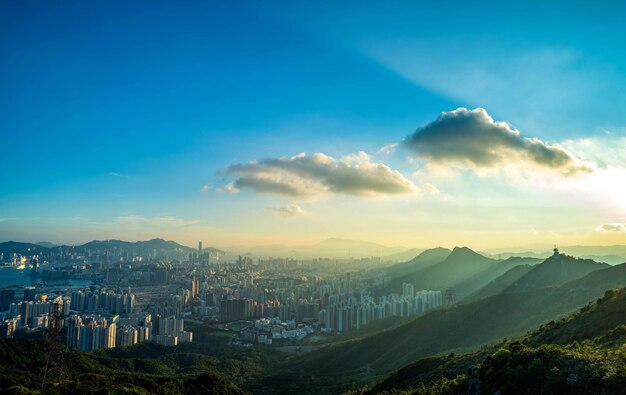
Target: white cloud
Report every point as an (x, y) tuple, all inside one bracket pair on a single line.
[(229, 188), (430, 189), (388, 149), (205, 188), (614, 227), (292, 210), (319, 174), (607, 150), (118, 175)]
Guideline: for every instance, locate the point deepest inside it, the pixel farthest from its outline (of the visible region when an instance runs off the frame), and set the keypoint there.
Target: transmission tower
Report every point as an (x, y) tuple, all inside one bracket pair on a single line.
[(54, 370), (450, 296)]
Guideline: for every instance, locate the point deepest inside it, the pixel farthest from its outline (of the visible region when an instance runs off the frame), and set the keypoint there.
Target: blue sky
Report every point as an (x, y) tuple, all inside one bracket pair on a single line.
[(114, 116)]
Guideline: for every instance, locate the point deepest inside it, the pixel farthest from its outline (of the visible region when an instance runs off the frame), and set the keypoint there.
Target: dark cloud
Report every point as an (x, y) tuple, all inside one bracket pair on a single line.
[(471, 138), (317, 174)]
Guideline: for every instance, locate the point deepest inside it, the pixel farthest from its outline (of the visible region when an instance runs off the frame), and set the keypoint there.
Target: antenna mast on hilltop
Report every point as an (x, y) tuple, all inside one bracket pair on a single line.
[(54, 369), (450, 296)]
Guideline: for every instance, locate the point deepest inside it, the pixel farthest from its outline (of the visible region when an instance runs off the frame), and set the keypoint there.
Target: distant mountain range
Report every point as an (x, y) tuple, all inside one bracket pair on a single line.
[(472, 274), (345, 249), (154, 247), (462, 269), (15, 247), (47, 244), (612, 255), (553, 271), (333, 248), (422, 261)]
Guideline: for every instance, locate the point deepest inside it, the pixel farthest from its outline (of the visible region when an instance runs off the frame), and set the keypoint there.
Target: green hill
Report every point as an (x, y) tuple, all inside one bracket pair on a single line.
[(460, 265), (422, 261), (492, 272), (501, 283), (592, 321), (101, 373), (610, 259), (462, 327), (555, 270), (462, 269), (580, 354), (14, 247), (146, 368)]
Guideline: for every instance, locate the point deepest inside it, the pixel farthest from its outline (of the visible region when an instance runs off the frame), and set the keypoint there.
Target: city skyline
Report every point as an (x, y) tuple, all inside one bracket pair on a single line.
[(287, 125)]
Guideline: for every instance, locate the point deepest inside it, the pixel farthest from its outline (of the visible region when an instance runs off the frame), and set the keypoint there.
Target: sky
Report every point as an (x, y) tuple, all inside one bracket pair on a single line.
[(487, 124)]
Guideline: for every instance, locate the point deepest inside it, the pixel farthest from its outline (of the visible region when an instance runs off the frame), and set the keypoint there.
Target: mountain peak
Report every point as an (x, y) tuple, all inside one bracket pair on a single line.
[(568, 259), (556, 270), (46, 244), (466, 256), (432, 255), (464, 251)]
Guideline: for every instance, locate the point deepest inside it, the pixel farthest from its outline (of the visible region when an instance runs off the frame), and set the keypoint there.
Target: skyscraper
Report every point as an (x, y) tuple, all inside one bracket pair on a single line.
[(29, 293), (6, 298), (199, 248), (110, 336), (35, 266), (195, 287), (408, 290)]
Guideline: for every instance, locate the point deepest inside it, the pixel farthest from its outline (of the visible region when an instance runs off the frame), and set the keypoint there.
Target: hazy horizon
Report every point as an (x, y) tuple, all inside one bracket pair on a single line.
[(341, 247)]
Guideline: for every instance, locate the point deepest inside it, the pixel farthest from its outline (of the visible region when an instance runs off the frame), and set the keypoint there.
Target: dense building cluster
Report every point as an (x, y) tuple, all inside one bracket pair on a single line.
[(113, 301), (347, 312), (90, 319), (278, 300)]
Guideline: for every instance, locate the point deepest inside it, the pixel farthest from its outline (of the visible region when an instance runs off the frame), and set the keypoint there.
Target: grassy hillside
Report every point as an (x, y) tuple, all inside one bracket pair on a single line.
[(592, 321), (581, 354), (146, 367), (462, 327), (93, 373), (555, 270), (501, 283), (471, 285)]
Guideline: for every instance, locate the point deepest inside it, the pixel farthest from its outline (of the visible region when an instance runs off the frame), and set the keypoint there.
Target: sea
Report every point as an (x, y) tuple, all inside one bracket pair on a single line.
[(18, 278)]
